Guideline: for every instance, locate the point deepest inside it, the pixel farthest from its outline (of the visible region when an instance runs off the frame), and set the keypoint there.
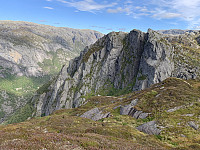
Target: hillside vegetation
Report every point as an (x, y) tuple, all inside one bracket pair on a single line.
[(172, 103)]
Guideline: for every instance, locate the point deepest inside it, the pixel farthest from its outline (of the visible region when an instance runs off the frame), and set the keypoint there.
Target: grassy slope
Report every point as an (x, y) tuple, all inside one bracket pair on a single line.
[(22, 86), (65, 130)]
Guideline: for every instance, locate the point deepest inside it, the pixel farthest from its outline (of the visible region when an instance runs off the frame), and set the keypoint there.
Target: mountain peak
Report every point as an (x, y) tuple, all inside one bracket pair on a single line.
[(117, 63)]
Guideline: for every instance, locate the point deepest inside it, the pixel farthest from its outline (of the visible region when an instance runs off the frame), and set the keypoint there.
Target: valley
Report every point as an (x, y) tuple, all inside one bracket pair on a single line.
[(30, 55)]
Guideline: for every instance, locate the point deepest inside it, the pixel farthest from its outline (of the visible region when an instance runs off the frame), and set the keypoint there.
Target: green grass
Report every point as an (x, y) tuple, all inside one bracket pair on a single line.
[(21, 115), (22, 85), (14, 89), (54, 64), (110, 90), (2, 114), (95, 48), (143, 77)]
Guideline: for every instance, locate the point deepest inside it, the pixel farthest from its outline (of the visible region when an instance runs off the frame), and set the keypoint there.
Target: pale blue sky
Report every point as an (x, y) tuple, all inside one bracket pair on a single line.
[(106, 16)]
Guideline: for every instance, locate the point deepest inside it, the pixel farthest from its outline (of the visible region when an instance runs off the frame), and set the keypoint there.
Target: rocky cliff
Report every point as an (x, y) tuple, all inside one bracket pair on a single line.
[(120, 63)]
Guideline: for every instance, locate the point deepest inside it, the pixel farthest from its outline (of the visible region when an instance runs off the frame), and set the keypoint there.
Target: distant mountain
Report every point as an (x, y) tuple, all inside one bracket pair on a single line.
[(175, 31), (30, 54), (33, 50)]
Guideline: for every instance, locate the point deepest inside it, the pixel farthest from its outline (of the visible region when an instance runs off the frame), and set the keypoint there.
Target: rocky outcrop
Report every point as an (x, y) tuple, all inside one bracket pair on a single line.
[(125, 110), (95, 114), (193, 125), (28, 48), (149, 128), (133, 112), (155, 64), (117, 63)]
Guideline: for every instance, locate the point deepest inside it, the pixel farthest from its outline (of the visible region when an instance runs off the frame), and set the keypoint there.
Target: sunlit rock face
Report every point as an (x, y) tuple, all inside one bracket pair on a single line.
[(119, 63)]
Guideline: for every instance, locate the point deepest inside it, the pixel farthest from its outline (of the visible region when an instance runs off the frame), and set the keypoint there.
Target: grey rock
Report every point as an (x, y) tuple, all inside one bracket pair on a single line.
[(125, 110), (143, 115), (155, 61), (117, 107), (188, 115), (149, 128), (134, 102), (182, 135), (193, 125), (90, 113), (95, 114), (131, 111), (175, 109), (138, 114), (158, 95)]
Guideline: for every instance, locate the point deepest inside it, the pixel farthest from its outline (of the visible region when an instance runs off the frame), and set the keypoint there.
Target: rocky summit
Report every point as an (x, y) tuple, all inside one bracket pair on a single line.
[(120, 63)]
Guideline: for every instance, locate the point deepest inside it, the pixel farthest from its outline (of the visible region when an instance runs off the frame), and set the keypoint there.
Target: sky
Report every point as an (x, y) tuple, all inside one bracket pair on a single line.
[(106, 16)]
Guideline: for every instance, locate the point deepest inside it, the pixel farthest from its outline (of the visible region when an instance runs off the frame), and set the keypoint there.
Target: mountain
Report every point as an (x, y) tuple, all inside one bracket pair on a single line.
[(117, 64), (33, 50), (128, 91), (169, 111), (176, 31), (31, 54)]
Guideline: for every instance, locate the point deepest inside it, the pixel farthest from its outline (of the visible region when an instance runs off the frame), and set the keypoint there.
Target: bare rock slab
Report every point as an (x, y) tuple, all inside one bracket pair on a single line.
[(149, 128), (95, 114)]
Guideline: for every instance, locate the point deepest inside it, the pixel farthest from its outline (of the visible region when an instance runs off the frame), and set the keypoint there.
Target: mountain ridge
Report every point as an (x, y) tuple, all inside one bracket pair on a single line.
[(28, 44), (120, 63), (127, 90), (176, 31)]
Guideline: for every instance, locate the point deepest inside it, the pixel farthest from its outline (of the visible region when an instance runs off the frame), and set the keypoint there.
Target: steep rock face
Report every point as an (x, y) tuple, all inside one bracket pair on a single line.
[(27, 48), (116, 64), (155, 64)]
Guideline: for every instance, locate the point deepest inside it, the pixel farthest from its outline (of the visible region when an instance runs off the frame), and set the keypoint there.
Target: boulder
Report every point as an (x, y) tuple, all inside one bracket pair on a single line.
[(149, 128), (95, 114), (129, 110), (125, 110), (193, 125)]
